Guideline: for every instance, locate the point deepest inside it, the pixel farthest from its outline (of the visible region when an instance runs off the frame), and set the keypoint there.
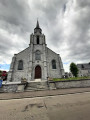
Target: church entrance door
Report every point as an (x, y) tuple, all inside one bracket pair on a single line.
[(37, 72)]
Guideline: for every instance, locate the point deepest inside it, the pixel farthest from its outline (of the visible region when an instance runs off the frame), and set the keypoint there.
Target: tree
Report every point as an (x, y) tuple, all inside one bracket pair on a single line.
[(74, 70)]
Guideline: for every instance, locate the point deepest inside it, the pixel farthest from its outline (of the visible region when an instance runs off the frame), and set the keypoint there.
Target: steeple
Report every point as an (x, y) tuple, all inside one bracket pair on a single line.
[(37, 30), (37, 25)]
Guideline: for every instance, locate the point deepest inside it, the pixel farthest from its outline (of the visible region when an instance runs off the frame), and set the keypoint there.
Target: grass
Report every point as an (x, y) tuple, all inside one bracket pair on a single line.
[(73, 78)]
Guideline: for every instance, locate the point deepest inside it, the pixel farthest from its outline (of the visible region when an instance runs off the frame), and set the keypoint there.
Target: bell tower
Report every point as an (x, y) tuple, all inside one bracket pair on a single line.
[(37, 60), (37, 38)]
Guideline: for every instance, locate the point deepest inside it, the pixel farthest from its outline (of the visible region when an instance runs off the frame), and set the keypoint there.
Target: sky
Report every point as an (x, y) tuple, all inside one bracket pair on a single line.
[(65, 23)]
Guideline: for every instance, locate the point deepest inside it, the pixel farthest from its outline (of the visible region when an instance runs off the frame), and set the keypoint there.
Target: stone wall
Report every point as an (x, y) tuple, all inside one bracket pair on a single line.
[(54, 73), (29, 62), (69, 84), (20, 87), (8, 88), (12, 87), (18, 74)]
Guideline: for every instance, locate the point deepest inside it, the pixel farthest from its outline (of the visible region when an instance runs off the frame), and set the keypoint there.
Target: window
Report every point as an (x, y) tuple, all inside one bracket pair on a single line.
[(20, 65), (53, 64), (38, 55), (37, 39)]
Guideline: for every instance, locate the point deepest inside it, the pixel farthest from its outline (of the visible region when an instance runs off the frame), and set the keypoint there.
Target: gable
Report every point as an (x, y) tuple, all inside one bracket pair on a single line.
[(51, 51)]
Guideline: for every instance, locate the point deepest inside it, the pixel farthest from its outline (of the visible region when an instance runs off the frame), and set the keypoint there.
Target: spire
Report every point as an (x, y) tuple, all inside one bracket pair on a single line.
[(37, 29), (37, 25)]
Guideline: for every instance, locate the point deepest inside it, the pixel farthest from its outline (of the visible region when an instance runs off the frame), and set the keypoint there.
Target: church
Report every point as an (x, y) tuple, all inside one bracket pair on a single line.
[(37, 62)]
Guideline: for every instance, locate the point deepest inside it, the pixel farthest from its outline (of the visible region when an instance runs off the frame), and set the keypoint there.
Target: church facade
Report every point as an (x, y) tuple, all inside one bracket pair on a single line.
[(36, 62)]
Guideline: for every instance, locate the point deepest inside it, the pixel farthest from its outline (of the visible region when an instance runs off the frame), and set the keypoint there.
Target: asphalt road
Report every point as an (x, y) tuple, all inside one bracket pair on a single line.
[(32, 94), (60, 107)]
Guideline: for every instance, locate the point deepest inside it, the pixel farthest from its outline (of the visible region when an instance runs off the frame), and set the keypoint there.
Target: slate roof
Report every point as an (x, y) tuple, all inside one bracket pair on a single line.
[(84, 66)]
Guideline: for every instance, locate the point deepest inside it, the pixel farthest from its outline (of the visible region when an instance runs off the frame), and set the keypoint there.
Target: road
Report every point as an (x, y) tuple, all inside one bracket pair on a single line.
[(60, 107)]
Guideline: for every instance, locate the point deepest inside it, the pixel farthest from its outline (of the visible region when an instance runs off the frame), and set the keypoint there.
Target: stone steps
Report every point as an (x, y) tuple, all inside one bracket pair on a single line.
[(1, 90), (33, 86)]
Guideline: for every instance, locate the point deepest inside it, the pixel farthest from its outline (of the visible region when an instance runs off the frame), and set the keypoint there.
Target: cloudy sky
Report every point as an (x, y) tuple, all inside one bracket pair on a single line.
[(66, 24)]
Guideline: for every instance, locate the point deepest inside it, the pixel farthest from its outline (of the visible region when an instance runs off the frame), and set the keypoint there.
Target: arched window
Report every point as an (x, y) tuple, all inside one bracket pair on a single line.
[(38, 55), (53, 64), (20, 65)]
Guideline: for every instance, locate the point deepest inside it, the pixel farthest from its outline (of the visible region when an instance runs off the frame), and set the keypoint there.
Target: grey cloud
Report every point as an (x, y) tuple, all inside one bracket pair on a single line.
[(78, 40), (14, 14), (83, 3), (15, 21), (50, 8), (18, 18)]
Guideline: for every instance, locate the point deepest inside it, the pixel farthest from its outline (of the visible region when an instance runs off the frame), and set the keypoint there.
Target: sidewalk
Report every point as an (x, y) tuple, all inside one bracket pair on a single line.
[(31, 94)]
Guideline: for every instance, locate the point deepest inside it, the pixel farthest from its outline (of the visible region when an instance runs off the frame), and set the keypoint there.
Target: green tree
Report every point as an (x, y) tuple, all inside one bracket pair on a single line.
[(74, 70)]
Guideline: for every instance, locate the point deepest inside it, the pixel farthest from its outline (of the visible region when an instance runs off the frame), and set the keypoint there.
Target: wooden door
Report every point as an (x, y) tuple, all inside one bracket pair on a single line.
[(37, 72)]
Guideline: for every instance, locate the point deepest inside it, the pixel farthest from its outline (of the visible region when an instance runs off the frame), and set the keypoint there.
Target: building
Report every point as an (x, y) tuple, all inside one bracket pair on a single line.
[(36, 62), (84, 69), (68, 75)]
